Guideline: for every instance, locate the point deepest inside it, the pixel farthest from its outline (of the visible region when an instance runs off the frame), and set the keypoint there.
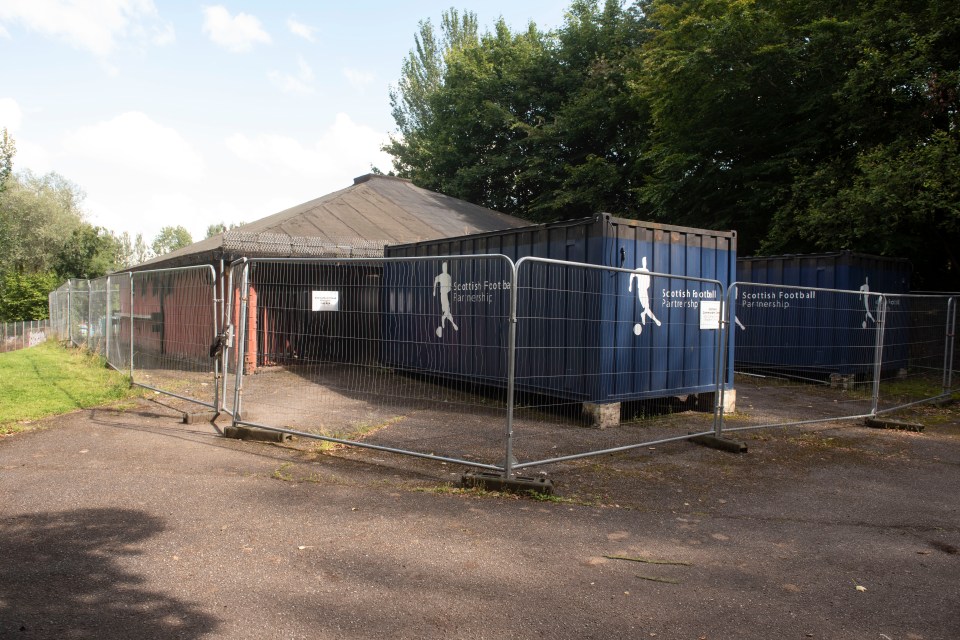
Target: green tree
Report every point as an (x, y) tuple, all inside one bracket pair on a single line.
[(221, 227), (25, 296), (8, 149), (889, 183), (90, 252), (594, 133), (535, 124), (421, 78), (37, 216), (133, 251), (170, 239)]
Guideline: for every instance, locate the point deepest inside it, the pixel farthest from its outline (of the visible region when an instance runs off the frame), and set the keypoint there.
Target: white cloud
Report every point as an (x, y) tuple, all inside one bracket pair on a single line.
[(234, 33), (305, 31), (133, 143), (97, 26), (11, 116), (358, 79), (299, 83), (345, 150)]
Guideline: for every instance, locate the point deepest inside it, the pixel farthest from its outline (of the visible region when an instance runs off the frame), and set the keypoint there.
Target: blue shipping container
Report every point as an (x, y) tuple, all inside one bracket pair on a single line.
[(828, 332), (589, 335)]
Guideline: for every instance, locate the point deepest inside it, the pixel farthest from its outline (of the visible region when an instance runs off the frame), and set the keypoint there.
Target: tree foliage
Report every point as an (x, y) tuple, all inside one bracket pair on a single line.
[(805, 126), (221, 227), (170, 239), (89, 252), (24, 296), (37, 216), (8, 149), (133, 251), (45, 240)]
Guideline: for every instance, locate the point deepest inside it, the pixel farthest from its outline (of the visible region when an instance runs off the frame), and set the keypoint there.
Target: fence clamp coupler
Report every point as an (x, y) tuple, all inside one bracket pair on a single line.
[(217, 347)]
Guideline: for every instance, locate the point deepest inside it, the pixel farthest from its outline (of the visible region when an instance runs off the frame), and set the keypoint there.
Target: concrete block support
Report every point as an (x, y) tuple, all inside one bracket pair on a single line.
[(841, 381), (603, 415), (706, 401)]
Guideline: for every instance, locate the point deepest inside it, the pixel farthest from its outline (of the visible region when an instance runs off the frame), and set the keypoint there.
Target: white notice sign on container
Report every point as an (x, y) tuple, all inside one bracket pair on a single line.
[(326, 300), (709, 314)]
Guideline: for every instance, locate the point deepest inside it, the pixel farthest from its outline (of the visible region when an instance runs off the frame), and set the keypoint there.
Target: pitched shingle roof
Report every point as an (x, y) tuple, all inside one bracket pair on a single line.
[(375, 211)]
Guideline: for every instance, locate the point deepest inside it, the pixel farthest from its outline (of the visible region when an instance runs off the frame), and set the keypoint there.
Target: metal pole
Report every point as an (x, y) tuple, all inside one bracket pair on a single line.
[(131, 326), (220, 322), (511, 371), (69, 308), (878, 353), (241, 338), (949, 345), (228, 333), (723, 340), (107, 323), (216, 361), (89, 313)]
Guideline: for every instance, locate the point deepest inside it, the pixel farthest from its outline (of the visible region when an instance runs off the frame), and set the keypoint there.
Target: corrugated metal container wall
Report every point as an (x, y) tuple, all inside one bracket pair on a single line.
[(831, 327), (573, 359)]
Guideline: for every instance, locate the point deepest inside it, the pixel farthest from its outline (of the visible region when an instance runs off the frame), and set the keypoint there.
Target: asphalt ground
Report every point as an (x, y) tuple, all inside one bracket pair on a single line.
[(130, 524)]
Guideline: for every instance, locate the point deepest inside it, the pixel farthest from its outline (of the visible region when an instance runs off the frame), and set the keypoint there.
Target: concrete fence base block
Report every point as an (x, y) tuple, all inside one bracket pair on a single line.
[(514, 484), (724, 444), (199, 416), (841, 381), (252, 433), (899, 425), (602, 416), (707, 401)]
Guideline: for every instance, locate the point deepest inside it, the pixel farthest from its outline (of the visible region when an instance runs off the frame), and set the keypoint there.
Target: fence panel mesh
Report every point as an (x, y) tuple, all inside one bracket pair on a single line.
[(805, 354), (403, 354), (79, 312), (918, 341), (414, 355), (23, 335), (118, 321), (59, 304), (97, 316), (174, 324), (633, 354)]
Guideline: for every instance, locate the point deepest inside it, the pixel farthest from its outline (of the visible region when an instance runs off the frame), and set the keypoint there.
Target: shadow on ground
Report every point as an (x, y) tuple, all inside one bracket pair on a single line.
[(61, 576)]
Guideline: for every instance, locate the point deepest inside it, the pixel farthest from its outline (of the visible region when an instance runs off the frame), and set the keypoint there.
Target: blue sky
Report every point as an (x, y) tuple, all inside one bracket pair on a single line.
[(176, 113)]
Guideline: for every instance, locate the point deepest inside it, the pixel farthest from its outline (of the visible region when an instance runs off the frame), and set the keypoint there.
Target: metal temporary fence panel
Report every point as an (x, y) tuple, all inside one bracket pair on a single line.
[(79, 312), (118, 321), (628, 349), (98, 292), (173, 317), (810, 331), (23, 334), (921, 347), (817, 351), (828, 355), (402, 355), (60, 311)]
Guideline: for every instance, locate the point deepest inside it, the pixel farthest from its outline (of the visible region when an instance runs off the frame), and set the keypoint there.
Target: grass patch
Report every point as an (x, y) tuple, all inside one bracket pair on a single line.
[(49, 380), (911, 388)]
